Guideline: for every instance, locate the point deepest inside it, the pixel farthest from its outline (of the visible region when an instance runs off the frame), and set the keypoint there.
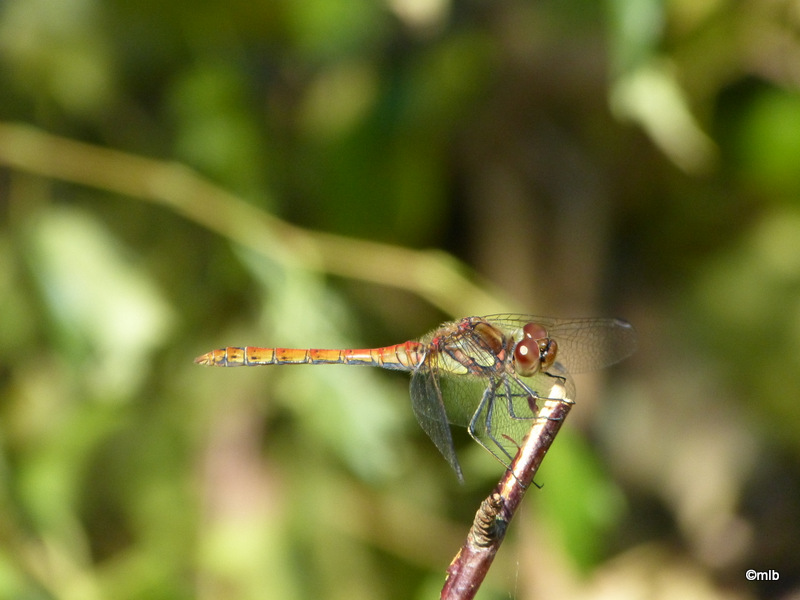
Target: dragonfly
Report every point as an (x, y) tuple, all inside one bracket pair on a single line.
[(488, 374)]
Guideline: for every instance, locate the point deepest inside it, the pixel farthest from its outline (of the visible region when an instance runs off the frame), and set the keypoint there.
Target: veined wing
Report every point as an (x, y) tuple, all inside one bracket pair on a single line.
[(583, 344), (429, 408), (499, 412)]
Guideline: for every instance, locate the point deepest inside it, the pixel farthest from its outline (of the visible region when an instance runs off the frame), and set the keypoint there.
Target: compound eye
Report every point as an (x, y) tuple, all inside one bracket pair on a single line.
[(527, 357), (548, 351), (534, 331)]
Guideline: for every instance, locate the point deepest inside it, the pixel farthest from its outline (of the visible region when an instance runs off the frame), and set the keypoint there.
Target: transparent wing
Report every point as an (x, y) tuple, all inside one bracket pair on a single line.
[(428, 406), (583, 344)]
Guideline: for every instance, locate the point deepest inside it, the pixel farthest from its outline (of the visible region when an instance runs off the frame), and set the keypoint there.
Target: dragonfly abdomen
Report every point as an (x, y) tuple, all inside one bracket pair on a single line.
[(404, 357)]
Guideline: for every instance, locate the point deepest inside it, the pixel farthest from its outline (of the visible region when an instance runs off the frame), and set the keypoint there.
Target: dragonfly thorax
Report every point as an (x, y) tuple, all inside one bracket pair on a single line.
[(490, 336)]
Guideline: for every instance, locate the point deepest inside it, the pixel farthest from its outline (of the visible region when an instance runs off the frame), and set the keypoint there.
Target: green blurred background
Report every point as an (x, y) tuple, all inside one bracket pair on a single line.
[(180, 176)]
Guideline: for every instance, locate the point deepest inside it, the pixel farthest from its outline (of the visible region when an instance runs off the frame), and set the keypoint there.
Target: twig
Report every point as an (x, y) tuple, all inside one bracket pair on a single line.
[(433, 275), (468, 569)]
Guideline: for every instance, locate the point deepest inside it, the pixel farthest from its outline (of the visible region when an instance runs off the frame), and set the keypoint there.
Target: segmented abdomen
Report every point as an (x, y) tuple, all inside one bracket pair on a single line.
[(403, 357)]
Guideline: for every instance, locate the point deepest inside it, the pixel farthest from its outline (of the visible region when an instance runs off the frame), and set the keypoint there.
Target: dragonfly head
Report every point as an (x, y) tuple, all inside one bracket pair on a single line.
[(535, 351)]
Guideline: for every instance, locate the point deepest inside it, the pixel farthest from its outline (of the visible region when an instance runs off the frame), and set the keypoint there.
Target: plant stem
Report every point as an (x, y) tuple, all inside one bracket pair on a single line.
[(469, 567)]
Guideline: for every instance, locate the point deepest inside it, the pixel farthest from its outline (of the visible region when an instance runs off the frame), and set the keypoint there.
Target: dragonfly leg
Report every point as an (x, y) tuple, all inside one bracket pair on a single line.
[(527, 394), (486, 406)]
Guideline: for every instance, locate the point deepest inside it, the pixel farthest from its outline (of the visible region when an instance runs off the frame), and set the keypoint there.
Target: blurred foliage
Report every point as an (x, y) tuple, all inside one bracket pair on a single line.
[(639, 158)]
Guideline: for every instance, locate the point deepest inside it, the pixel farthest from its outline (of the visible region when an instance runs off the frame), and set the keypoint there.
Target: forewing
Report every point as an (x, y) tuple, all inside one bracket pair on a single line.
[(583, 344)]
